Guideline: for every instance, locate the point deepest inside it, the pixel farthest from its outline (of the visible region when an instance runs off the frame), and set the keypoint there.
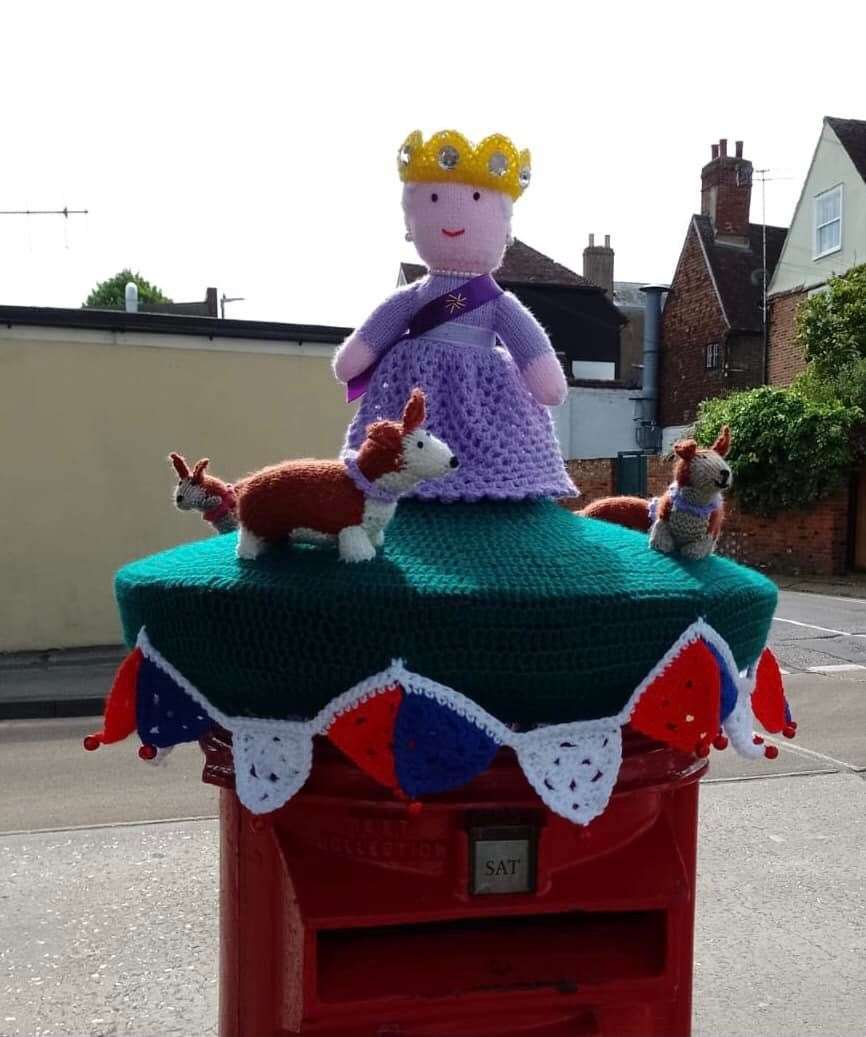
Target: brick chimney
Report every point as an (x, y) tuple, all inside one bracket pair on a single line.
[(598, 264), (726, 193)]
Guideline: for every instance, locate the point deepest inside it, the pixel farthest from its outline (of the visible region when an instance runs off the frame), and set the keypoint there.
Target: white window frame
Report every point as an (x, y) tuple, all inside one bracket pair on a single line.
[(816, 226), (716, 348)]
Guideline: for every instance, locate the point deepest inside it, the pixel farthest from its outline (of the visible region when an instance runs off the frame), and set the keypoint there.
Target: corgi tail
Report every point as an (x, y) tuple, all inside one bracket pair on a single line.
[(631, 512)]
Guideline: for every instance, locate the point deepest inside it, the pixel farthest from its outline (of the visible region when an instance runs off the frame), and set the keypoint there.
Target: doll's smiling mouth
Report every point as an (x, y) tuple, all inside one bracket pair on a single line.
[(453, 233)]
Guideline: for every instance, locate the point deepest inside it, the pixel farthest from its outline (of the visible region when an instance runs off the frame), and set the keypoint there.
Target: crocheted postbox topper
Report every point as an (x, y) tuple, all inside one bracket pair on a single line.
[(420, 738)]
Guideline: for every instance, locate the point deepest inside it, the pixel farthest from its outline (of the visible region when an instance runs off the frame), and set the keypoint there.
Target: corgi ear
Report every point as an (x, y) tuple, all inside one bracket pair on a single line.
[(686, 449), (415, 412), (386, 434), (179, 465), (198, 471), (723, 442)]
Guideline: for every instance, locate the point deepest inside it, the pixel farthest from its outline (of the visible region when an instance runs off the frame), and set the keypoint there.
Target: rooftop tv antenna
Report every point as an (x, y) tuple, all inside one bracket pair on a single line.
[(225, 298), (761, 175), (64, 212)]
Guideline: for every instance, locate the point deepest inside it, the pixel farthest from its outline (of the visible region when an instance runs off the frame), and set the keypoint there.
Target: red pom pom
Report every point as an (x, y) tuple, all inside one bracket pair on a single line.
[(92, 742), (771, 752), (758, 740), (720, 742), (414, 808), (147, 752), (789, 730)]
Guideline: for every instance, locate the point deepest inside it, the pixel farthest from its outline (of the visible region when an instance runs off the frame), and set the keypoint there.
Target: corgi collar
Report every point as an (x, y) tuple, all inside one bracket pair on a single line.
[(681, 503), (369, 489)]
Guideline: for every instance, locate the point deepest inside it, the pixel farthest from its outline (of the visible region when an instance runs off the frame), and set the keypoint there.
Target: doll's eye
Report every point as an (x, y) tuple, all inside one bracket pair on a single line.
[(420, 444), (476, 196), (434, 197)]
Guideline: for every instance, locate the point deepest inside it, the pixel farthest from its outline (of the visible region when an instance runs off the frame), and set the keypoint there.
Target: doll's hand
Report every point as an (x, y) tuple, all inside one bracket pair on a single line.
[(545, 380), (353, 357)]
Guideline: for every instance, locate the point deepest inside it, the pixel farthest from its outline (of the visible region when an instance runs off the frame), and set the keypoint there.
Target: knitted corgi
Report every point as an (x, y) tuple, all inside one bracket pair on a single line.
[(350, 501), (215, 499), (688, 516)]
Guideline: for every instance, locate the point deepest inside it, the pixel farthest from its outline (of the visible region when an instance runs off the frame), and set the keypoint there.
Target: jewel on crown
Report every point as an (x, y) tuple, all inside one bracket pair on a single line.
[(448, 156)]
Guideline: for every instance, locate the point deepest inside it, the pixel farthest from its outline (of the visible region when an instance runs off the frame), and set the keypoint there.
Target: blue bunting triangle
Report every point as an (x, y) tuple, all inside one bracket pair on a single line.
[(437, 749), (166, 715)]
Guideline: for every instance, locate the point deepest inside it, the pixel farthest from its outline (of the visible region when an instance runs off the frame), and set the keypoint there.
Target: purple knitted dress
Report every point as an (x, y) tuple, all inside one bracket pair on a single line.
[(476, 399)]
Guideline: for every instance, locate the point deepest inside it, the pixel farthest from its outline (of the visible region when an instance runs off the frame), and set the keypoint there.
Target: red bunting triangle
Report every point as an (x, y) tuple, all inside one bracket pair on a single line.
[(768, 696), (681, 706), (119, 719), (365, 734)]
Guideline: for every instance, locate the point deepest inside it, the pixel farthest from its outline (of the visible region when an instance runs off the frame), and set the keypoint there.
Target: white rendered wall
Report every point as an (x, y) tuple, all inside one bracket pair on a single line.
[(595, 423), (797, 268)]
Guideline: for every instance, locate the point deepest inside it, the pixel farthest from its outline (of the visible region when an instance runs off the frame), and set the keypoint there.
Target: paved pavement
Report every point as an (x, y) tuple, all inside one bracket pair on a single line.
[(114, 927)]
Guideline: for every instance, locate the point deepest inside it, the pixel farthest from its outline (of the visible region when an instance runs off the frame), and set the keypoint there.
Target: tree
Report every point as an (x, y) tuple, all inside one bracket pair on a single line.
[(112, 293), (831, 326)]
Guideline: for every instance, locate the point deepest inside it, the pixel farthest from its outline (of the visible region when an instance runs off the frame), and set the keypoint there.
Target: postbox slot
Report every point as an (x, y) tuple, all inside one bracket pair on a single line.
[(562, 952)]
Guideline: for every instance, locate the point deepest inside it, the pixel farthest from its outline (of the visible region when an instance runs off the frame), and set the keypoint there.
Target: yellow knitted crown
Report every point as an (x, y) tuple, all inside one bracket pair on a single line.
[(449, 157)]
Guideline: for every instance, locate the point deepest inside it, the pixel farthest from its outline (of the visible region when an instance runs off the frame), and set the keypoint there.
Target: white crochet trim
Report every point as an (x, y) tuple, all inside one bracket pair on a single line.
[(573, 767)]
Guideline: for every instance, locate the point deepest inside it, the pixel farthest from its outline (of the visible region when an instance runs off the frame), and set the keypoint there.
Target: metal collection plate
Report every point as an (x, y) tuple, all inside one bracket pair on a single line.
[(502, 859)]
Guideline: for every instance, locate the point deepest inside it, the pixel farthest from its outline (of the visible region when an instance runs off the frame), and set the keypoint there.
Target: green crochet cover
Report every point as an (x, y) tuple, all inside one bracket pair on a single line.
[(539, 615)]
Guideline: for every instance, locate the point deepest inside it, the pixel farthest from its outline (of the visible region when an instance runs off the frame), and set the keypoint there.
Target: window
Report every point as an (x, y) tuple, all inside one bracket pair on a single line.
[(828, 222), (713, 356)]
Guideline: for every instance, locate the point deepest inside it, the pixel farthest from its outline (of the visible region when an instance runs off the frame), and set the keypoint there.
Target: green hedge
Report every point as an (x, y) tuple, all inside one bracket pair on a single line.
[(787, 450)]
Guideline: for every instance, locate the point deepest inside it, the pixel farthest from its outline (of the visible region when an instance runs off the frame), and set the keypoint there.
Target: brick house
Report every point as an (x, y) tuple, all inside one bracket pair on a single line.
[(713, 324), (827, 237)]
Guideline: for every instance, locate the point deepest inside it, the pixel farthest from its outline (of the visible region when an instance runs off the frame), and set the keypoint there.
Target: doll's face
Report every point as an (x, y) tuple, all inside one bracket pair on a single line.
[(458, 226)]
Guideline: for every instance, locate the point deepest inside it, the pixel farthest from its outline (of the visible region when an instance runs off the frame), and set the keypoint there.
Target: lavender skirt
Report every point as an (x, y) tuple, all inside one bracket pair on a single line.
[(478, 403)]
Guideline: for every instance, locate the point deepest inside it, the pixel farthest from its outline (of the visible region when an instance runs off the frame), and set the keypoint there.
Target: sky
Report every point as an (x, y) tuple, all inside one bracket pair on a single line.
[(251, 146)]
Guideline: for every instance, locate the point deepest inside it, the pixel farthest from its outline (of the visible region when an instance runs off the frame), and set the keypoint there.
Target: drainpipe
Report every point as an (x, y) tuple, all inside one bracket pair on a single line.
[(647, 432)]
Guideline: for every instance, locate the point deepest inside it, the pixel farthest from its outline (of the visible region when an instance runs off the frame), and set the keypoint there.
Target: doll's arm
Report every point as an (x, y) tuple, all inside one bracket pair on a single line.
[(528, 343), (381, 329)]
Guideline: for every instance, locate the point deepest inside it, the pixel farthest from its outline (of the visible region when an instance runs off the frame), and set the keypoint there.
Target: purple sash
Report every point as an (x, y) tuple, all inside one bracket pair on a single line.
[(463, 299)]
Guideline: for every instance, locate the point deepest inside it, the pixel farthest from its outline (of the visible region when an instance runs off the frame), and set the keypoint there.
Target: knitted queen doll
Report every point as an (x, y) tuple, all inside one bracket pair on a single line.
[(445, 333)]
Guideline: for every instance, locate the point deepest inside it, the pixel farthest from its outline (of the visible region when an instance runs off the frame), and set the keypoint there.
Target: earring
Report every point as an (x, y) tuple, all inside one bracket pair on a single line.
[(408, 235)]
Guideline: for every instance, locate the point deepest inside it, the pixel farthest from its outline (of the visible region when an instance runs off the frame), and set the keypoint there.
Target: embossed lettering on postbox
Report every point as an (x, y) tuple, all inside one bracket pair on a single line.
[(502, 859)]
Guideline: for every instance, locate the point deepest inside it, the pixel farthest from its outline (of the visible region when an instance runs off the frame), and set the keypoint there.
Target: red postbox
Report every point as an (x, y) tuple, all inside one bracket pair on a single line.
[(348, 913)]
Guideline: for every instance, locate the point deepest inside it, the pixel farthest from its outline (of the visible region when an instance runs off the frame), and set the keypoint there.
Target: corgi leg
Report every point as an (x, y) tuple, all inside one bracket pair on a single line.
[(249, 545), (661, 537), (355, 545), (698, 549)]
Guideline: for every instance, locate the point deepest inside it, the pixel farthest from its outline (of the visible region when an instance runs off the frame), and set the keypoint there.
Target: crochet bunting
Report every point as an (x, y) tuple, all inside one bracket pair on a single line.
[(418, 737), (366, 735), (681, 706), (166, 715), (768, 699), (119, 716), (436, 748)]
